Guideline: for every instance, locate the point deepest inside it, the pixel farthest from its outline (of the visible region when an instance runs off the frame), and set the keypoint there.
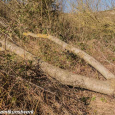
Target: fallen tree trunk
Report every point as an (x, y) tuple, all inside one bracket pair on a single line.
[(90, 60), (63, 76)]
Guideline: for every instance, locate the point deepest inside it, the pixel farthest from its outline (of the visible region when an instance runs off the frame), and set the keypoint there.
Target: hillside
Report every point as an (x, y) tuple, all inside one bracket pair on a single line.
[(24, 86)]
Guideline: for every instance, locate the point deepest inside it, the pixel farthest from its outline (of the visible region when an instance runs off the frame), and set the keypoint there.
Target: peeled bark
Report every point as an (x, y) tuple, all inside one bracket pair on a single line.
[(89, 59), (63, 76)]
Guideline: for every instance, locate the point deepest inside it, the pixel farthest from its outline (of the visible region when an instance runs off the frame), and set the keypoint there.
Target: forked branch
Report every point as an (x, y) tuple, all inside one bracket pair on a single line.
[(63, 76), (89, 59)]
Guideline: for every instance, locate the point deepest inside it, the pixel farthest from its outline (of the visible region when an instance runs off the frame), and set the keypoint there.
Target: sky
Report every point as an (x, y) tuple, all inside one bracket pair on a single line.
[(103, 5)]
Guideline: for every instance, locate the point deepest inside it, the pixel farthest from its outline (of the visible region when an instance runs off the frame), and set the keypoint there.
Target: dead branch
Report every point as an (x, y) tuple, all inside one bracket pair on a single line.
[(89, 59), (63, 76)]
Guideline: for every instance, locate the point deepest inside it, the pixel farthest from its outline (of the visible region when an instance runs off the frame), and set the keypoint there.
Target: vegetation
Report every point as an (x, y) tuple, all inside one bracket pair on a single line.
[(89, 29)]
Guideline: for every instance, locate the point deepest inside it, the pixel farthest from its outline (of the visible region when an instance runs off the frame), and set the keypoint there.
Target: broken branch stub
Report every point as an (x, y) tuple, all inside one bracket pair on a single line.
[(89, 59), (63, 76)]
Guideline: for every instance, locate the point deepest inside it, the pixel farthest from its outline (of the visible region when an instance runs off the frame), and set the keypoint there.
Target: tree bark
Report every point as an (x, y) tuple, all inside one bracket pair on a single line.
[(63, 76), (89, 59)]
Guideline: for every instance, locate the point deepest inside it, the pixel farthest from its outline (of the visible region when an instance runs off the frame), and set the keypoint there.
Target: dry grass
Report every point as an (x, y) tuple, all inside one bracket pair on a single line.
[(92, 32), (24, 87)]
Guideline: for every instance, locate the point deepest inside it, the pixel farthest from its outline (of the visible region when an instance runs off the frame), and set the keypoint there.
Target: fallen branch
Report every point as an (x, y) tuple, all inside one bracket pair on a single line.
[(63, 76), (90, 60)]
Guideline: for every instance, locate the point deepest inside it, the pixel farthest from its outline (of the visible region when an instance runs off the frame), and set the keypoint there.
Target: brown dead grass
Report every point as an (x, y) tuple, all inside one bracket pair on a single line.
[(91, 32), (49, 97), (102, 105)]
